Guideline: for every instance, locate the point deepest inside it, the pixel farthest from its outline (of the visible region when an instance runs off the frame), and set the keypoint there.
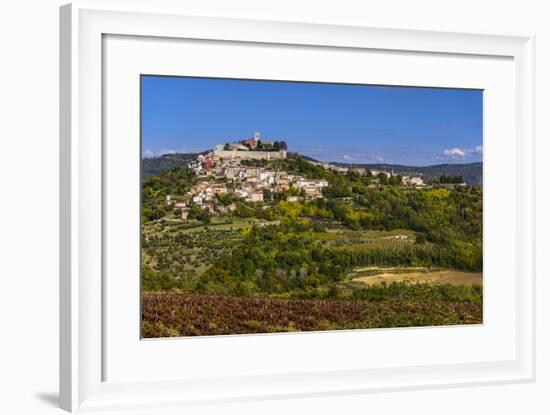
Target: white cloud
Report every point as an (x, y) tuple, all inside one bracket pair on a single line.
[(457, 153), (343, 155), (454, 153), (148, 154)]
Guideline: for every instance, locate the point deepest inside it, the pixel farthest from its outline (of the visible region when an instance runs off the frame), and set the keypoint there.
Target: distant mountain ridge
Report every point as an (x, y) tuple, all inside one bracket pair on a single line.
[(156, 165), (472, 172)]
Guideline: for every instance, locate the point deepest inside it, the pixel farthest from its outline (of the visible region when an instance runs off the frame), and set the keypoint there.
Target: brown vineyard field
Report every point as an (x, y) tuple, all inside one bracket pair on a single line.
[(183, 314)]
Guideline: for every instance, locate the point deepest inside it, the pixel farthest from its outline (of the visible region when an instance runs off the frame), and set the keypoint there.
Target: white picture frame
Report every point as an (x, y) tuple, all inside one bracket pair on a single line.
[(84, 26)]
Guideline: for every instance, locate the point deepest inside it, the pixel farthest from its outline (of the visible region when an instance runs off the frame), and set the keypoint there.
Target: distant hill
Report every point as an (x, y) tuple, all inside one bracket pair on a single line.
[(156, 165), (472, 172)]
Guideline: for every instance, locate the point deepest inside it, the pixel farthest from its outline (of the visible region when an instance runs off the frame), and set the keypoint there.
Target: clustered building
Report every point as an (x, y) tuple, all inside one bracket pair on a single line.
[(242, 179), (246, 181), (361, 171), (413, 181), (250, 149), (250, 183)]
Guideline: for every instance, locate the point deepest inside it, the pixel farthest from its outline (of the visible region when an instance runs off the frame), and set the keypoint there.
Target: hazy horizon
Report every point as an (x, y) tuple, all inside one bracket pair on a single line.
[(330, 162)]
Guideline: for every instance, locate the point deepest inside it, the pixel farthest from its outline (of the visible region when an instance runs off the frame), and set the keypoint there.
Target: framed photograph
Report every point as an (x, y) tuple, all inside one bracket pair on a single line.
[(344, 223), (255, 210)]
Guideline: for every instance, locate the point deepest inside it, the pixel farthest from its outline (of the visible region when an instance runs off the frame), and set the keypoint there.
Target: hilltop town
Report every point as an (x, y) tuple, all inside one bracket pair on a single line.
[(242, 169), (251, 222)]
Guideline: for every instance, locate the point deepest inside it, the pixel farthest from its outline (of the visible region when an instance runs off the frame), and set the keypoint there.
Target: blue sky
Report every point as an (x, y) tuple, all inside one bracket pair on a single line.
[(329, 122)]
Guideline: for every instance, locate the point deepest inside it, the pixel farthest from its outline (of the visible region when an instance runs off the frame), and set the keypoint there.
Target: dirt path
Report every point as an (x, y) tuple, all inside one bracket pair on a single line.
[(431, 277)]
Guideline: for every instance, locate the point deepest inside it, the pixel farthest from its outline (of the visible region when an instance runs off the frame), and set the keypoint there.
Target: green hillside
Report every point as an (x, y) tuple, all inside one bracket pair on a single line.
[(156, 165)]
